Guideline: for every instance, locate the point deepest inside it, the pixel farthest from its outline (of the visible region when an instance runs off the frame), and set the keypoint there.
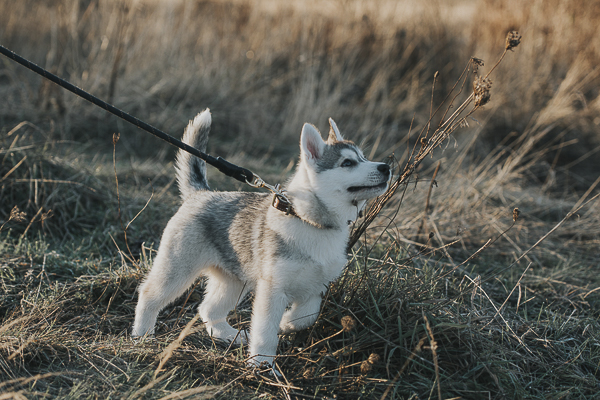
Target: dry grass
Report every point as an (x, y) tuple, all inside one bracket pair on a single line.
[(445, 295)]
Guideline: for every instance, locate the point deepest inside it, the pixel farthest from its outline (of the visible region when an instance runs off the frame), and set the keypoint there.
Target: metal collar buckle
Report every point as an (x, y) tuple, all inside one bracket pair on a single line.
[(280, 200), (283, 205)]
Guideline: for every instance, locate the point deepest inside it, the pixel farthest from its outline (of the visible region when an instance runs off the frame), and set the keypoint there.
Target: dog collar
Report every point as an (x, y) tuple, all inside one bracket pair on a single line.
[(283, 205), (280, 201)]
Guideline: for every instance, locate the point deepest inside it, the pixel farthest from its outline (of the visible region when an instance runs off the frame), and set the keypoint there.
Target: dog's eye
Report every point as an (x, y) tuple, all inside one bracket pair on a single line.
[(348, 163)]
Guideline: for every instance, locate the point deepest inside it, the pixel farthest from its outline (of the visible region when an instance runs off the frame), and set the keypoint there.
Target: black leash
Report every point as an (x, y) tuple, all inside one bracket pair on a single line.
[(229, 169)]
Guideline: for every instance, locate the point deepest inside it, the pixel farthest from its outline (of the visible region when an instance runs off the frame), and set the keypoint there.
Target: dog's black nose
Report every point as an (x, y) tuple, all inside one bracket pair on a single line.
[(384, 169)]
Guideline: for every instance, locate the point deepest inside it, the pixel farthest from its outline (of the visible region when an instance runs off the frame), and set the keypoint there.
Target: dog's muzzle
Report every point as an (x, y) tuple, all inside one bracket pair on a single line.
[(384, 169)]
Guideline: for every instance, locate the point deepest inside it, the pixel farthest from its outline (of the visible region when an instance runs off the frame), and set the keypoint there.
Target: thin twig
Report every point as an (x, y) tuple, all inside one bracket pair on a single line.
[(425, 213), (413, 354), (536, 244), (433, 347), (508, 297)]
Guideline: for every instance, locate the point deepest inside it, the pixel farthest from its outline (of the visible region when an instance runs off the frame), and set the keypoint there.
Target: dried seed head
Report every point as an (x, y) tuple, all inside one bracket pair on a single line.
[(476, 62), (513, 38), (17, 215), (374, 358), (365, 367), (516, 213), (348, 323), (481, 90)]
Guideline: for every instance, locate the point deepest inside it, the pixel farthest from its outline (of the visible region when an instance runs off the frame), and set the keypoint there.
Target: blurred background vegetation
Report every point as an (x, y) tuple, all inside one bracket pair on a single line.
[(264, 68)]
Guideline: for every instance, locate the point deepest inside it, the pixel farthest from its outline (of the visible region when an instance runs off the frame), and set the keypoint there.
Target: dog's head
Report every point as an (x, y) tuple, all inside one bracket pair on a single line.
[(337, 167)]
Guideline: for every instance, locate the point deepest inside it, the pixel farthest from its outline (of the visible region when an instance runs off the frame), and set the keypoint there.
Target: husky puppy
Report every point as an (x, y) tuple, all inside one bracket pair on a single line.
[(240, 242)]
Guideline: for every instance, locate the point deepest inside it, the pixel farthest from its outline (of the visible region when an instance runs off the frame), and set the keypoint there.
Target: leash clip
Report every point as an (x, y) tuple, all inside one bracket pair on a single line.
[(280, 200)]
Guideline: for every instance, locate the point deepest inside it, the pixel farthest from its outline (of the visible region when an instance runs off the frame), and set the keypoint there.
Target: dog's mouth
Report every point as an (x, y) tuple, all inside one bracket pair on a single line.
[(354, 189)]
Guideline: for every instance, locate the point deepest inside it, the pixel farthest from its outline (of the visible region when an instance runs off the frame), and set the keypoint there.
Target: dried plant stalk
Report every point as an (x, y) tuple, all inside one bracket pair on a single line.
[(479, 97)]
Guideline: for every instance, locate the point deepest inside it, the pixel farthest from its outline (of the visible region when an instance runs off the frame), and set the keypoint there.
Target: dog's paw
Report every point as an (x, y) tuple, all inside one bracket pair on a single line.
[(222, 331), (287, 327), (137, 339), (137, 333), (296, 320), (264, 365)]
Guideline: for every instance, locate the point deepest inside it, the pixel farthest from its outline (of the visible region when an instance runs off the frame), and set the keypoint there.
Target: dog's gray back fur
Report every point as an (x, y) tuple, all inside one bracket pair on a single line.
[(228, 221)]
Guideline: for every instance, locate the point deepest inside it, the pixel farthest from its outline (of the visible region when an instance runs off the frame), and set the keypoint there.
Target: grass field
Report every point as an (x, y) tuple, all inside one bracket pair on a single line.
[(445, 295)]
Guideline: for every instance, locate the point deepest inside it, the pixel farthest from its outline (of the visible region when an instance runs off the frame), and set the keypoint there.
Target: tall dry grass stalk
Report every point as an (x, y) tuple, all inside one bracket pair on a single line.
[(480, 96)]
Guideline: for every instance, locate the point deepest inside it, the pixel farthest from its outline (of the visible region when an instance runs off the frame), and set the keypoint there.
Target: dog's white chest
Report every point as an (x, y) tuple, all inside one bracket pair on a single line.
[(309, 258)]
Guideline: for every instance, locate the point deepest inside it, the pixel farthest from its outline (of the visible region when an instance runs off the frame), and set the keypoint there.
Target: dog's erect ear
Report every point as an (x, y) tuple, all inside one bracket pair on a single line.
[(334, 133), (311, 142)]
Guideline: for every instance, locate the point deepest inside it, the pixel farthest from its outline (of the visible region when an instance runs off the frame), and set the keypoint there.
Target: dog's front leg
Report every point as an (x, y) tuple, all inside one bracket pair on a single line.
[(267, 310)]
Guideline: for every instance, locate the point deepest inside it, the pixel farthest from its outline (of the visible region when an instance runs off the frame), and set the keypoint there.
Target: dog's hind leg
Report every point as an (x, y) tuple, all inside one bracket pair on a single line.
[(301, 315), (168, 279), (223, 291)]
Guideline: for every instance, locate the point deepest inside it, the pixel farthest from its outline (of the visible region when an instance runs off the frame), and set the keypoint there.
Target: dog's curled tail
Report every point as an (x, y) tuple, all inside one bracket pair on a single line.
[(191, 171)]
